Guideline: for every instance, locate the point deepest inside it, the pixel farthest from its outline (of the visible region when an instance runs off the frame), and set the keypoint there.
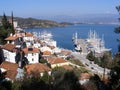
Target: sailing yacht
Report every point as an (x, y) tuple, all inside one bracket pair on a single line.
[(92, 43)]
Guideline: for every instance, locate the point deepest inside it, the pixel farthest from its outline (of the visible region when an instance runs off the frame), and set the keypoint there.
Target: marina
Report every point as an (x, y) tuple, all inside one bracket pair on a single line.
[(82, 31), (92, 43)]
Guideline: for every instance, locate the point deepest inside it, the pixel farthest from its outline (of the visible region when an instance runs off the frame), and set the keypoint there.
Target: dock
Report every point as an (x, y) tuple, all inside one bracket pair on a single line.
[(83, 45)]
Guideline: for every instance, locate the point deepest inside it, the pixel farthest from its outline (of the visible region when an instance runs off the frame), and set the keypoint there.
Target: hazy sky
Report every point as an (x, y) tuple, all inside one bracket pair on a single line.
[(33, 8)]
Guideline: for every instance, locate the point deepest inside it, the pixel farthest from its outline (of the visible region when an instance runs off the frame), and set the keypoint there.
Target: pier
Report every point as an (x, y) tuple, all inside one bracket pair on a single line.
[(83, 45), (92, 43)]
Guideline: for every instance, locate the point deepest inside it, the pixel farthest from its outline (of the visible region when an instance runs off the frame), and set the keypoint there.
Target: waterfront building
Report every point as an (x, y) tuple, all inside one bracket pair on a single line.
[(47, 38)]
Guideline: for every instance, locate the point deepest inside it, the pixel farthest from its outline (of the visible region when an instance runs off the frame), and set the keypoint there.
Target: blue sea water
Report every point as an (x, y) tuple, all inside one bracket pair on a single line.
[(63, 35)]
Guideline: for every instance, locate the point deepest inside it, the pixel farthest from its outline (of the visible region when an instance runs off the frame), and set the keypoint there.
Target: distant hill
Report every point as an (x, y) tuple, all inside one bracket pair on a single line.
[(37, 23), (62, 20), (87, 18)]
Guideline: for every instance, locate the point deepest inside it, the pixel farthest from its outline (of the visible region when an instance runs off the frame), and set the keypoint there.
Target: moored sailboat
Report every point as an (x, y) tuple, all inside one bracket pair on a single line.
[(92, 43)]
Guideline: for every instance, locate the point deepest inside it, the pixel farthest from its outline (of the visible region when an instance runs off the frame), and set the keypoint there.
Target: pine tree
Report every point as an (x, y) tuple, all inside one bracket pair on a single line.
[(115, 71), (117, 29), (5, 23), (12, 24), (6, 28)]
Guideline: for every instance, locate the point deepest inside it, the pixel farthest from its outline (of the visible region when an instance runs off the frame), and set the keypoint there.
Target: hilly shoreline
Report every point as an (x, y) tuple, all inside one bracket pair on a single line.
[(37, 23)]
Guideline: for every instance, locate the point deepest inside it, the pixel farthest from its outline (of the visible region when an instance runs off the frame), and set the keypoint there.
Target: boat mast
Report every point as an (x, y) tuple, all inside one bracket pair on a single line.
[(76, 38)]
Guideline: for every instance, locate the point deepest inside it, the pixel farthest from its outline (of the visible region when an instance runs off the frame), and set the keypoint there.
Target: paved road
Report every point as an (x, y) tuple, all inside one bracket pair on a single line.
[(90, 65)]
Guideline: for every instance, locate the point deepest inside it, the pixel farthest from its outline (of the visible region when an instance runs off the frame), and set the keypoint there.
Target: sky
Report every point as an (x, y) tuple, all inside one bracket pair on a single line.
[(36, 8)]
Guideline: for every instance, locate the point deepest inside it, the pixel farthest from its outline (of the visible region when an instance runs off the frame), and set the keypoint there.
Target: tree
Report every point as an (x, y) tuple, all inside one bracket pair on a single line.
[(90, 86), (5, 23), (91, 56), (1, 55), (47, 78), (57, 73), (68, 81), (12, 20), (6, 85), (117, 30), (5, 29), (12, 24), (98, 84), (34, 83), (115, 71), (42, 60)]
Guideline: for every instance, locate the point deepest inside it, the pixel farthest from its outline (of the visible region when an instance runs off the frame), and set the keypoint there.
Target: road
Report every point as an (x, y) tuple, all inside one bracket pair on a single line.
[(90, 65)]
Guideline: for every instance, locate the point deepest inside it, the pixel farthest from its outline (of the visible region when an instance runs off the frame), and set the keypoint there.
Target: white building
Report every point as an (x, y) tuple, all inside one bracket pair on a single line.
[(57, 62), (15, 23), (51, 43), (28, 36), (56, 50), (37, 44), (32, 54), (9, 52), (13, 39), (45, 48)]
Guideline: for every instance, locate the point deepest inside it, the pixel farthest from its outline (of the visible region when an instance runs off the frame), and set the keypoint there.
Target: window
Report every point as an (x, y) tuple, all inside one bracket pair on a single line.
[(32, 59), (32, 54)]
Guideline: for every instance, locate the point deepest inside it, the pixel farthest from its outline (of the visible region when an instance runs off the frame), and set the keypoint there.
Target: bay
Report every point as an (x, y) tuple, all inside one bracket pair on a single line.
[(63, 35)]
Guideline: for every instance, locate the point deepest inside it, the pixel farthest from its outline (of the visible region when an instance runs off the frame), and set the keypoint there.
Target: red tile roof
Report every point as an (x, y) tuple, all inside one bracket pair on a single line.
[(56, 60), (52, 47), (37, 67), (67, 67), (11, 69), (9, 47), (66, 52), (84, 76), (34, 50), (27, 34), (46, 53), (12, 38)]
